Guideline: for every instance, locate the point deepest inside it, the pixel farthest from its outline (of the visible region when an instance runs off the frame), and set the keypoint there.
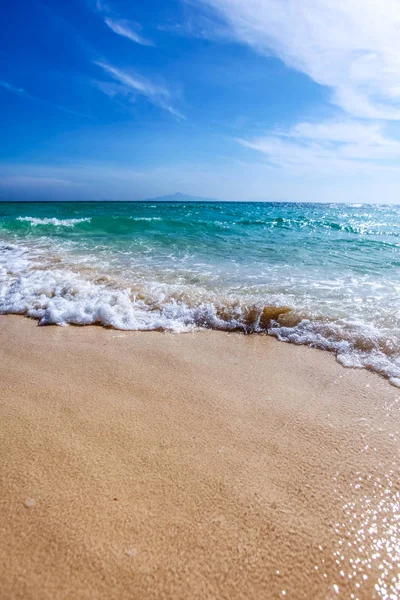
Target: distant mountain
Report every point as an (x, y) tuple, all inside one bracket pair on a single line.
[(178, 197)]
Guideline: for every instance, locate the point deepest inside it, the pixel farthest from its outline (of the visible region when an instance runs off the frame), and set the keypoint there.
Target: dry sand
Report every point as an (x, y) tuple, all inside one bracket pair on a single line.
[(196, 466)]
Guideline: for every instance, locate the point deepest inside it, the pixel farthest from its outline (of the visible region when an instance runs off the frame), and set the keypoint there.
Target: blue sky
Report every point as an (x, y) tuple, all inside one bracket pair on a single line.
[(256, 100)]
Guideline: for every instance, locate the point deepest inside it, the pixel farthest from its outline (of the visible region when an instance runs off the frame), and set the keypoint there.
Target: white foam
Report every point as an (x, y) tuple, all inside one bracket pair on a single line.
[(61, 296), (356, 345), (146, 218), (53, 221)]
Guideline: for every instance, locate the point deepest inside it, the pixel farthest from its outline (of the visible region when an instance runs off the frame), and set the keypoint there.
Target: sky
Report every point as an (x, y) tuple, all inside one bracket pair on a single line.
[(275, 100)]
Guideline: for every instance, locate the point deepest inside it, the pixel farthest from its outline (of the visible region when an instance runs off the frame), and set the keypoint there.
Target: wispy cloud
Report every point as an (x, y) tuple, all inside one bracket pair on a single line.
[(20, 181), (123, 27), (101, 6), (329, 148), (24, 94), (155, 94), (14, 90), (200, 26), (127, 29), (353, 47)]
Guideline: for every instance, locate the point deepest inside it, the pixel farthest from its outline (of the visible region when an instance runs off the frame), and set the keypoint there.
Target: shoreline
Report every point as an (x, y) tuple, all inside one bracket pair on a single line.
[(341, 359), (204, 465)]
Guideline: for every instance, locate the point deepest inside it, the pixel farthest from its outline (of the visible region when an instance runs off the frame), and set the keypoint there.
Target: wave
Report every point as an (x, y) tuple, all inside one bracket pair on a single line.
[(146, 218), (124, 224), (61, 296), (355, 344), (34, 221), (299, 222)]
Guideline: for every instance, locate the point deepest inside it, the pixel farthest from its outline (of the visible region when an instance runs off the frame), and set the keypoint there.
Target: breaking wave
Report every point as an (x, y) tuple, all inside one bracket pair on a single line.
[(326, 276), (61, 296), (53, 221)]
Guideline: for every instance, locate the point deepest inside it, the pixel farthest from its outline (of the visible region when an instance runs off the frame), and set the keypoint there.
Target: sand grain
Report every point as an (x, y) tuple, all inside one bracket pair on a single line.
[(205, 465)]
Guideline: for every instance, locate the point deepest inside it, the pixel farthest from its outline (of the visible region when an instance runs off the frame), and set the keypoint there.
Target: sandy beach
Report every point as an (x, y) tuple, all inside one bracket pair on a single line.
[(194, 466)]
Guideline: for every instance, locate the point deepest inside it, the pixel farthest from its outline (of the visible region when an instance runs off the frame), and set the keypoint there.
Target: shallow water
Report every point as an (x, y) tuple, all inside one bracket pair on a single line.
[(316, 274)]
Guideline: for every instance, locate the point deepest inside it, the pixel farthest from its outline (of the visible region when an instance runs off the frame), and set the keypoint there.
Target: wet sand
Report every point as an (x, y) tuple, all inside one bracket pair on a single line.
[(193, 466)]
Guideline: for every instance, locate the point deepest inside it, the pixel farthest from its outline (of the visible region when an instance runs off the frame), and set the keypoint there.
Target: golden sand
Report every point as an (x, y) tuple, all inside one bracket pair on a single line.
[(193, 466)]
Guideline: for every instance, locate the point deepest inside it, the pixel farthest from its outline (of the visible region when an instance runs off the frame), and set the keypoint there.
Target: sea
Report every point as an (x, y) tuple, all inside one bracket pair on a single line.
[(323, 275)]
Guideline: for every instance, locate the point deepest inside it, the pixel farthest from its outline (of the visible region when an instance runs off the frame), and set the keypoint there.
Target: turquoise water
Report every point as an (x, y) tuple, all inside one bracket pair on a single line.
[(316, 274)]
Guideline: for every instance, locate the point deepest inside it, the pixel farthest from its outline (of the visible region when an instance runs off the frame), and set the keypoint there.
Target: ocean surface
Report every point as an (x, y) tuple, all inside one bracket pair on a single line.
[(325, 275)]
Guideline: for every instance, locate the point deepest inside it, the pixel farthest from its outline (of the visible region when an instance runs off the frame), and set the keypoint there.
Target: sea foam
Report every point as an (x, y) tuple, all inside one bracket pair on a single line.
[(322, 275), (61, 296), (34, 221)]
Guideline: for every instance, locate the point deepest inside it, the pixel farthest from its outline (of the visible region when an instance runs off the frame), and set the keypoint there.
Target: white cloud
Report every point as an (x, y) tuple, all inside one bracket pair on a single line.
[(336, 147), (13, 89), (199, 26), (101, 6), (127, 29), (122, 27), (352, 46), (155, 94)]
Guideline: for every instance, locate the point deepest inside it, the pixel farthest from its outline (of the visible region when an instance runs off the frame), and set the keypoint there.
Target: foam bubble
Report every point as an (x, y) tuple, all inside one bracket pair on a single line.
[(146, 218), (53, 221), (356, 345), (62, 296)]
